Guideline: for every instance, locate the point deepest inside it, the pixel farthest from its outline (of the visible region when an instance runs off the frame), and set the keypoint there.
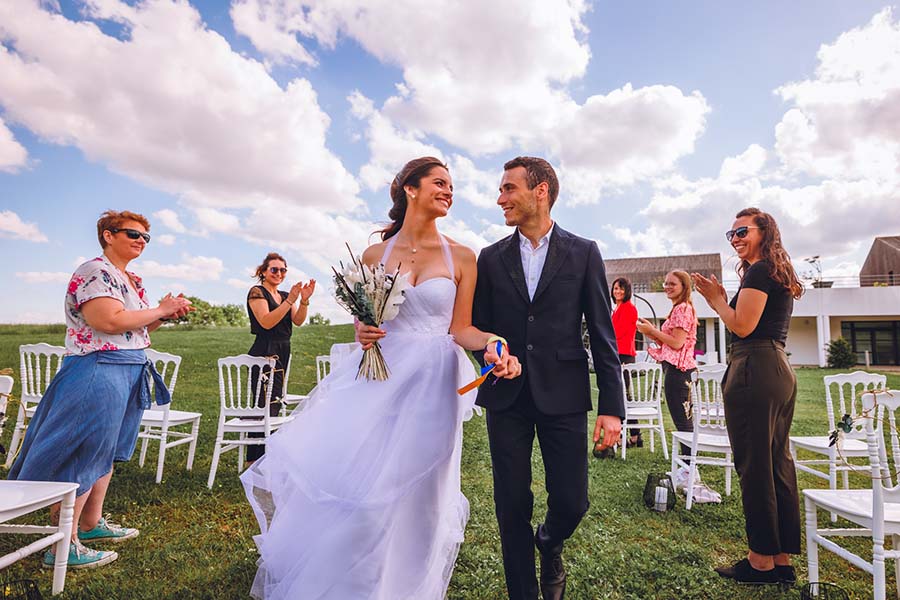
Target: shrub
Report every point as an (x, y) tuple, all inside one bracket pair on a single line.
[(318, 319), (214, 315), (840, 354)]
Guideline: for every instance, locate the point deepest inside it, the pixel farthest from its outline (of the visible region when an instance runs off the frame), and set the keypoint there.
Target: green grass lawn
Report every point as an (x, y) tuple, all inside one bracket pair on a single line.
[(197, 543)]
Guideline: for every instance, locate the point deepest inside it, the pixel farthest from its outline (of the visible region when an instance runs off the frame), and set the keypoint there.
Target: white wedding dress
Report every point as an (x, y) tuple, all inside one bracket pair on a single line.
[(359, 497)]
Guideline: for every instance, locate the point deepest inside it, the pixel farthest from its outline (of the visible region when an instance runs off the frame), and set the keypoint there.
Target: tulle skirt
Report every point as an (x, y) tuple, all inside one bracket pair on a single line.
[(359, 497)]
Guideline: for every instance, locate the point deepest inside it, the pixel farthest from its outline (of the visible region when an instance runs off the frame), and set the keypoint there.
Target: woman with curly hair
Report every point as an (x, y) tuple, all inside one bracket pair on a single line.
[(759, 391)]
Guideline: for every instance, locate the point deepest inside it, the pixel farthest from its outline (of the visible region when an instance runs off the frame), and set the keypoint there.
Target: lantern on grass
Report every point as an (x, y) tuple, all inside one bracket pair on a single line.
[(823, 591), (659, 492)]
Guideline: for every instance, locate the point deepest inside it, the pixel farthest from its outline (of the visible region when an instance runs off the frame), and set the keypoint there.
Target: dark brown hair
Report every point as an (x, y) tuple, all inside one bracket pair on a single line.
[(261, 269), (113, 219), (537, 170), (780, 267), (625, 284), (411, 174)]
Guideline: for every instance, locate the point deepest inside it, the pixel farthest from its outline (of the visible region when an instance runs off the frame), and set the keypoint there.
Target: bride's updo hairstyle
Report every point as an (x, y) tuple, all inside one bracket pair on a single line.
[(411, 174)]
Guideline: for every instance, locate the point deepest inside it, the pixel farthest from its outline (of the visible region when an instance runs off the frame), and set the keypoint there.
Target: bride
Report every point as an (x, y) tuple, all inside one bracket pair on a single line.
[(359, 497)]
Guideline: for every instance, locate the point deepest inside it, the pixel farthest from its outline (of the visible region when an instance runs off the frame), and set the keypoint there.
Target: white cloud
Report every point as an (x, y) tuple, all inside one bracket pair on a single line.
[(204, 122), (166, 239), (169, 218), (217, 220), (11, 226), (502, 85), (13, 155), (241, 284), (192, 268), (278, 43), (54, 277), (845, 122)]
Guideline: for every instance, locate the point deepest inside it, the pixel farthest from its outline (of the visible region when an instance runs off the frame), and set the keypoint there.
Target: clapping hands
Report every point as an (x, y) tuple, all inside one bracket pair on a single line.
[(301, 291), (711, 288), (175, 307)]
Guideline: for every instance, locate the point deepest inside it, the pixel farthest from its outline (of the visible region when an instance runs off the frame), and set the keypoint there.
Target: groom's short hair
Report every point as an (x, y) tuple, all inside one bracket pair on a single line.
[(536, 171)]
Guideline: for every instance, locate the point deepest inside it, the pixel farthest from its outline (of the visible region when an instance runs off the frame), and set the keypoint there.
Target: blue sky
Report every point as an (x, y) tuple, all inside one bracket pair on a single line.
[(259, 125)]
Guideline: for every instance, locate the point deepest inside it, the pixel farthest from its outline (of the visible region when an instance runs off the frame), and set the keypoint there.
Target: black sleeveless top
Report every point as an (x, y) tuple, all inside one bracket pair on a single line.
[(776, 316), (282, 330)]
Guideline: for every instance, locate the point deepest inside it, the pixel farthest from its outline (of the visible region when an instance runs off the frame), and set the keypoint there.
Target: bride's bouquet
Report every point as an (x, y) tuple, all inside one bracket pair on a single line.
[(373, 296)]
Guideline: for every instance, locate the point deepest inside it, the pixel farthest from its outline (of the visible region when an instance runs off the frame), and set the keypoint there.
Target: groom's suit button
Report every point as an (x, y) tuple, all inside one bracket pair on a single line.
[(529, 347), (530, 318)]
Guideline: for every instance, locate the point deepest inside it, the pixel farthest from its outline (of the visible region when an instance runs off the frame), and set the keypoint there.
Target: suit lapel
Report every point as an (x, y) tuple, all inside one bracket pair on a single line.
[(560, 241), (512, 259)]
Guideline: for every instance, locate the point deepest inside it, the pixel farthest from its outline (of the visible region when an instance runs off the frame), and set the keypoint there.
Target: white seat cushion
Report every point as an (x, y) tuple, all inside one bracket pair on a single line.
[(820, 444), (256, 423), (155, 417), (642, 411), (856, 505)]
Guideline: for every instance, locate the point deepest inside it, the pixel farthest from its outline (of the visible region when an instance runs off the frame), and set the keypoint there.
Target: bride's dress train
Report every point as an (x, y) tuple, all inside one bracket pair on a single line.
[(359, 497)]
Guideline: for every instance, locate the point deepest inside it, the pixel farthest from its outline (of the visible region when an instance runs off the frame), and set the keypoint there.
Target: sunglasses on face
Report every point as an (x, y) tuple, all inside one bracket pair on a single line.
[(132, 234), (277, 270), (740, 232)]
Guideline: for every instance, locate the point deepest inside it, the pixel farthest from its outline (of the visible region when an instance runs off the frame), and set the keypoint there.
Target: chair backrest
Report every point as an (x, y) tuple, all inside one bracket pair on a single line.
[(167, 365), (237, 391), (39, 363), (845, 389), (6, 386), (646, 382), (323, 367), (341, 351), (284, 380), (709, 408), (876, 408)]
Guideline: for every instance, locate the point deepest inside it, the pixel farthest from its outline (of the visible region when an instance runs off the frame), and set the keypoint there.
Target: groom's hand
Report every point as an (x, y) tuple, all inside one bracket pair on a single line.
[(611, 428)]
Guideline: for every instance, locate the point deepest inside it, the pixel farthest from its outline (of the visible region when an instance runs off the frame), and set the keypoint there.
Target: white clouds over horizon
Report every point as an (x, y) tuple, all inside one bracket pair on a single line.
[(13, 155), (12, 226)]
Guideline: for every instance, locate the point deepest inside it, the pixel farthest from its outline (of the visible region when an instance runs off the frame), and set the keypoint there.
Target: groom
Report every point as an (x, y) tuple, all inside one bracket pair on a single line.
[(533, 288)]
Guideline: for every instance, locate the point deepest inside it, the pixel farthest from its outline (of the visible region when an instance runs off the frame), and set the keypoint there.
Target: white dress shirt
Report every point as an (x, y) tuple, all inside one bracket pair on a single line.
[(533, 259)]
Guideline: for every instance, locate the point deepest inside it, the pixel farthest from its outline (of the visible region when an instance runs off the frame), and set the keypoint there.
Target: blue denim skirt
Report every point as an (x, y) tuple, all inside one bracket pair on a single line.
[(87, 419)]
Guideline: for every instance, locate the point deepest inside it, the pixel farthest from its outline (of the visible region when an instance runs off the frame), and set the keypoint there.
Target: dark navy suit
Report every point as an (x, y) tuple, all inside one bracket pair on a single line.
[(552, 396)]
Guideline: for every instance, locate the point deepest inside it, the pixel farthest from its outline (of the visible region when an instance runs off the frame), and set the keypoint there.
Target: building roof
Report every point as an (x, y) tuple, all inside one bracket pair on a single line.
[(891, 240), (654, 265)]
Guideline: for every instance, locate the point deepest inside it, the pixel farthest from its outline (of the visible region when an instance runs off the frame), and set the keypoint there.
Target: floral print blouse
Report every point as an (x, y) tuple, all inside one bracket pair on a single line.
[(99, 278), (684, 317)]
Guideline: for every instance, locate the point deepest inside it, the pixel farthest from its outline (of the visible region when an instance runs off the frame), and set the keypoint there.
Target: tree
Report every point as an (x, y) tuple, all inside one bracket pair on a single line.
[(318, 319), (214, 315), (840, 354)]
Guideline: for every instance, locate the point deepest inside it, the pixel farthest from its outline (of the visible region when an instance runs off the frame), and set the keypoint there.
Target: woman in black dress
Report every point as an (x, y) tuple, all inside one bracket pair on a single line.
[(273, 313), (759, 390)]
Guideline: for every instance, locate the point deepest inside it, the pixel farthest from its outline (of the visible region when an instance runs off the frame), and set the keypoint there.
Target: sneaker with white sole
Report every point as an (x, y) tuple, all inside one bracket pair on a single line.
[(108, 532), (81, 557)]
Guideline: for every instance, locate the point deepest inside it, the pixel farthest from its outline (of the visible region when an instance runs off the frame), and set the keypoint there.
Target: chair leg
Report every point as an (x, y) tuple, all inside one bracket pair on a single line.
[(662, 437), (812, 549), (728, 475), (161, 461), (61, 548), (689, 489), (653, 440), (215, 462), (622, 439), (674, 456), (14, 443), (895, 544), (241, 450), (144, 443), (192, 447), (879, 585)]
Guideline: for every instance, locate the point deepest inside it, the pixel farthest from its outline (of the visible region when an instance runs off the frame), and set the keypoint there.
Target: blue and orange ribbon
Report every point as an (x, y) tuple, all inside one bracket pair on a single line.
[(485, 371)]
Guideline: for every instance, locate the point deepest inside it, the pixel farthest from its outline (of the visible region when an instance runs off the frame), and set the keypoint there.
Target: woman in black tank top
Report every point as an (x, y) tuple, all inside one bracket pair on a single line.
[(273, 313), (759, 390)]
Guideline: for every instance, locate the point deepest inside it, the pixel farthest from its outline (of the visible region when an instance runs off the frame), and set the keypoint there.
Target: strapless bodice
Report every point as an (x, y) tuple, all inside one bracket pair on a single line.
[(428, 308)]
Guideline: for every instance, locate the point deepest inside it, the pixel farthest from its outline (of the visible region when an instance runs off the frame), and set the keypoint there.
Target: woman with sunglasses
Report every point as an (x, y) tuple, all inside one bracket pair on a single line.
[(759, 390), (273, 313), (88, 418)]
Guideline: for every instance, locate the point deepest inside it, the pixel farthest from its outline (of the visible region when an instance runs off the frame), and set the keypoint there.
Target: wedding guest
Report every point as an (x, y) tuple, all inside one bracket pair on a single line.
[(676, 338), (273, 313), (624, 320), (89, 416), (759, 403)]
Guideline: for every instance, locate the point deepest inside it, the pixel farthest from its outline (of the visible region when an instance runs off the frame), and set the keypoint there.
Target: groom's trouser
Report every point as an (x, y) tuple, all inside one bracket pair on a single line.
[(563, 441)]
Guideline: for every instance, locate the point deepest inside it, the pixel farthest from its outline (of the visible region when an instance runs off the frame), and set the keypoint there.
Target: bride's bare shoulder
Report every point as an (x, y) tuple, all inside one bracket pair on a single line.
[(373, 253), (461, 252)]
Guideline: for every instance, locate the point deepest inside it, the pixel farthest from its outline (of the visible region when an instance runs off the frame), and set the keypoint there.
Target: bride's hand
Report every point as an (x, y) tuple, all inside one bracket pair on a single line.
[(367, 335)]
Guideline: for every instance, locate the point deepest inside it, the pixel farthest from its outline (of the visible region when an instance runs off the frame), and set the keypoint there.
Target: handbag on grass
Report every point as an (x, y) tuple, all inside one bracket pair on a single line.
[(659, 493)]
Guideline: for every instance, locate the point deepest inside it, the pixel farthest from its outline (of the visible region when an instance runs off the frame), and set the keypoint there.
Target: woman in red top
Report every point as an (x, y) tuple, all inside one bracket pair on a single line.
[(624, 320)]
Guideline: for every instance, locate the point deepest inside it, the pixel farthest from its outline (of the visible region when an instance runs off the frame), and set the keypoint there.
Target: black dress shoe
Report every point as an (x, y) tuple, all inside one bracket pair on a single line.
[(744, 573), (786, 574), (553, 577), (553, 573)]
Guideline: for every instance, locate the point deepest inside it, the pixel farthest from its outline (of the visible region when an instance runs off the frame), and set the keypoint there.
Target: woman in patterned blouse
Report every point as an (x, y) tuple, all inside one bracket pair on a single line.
[(88, 418)]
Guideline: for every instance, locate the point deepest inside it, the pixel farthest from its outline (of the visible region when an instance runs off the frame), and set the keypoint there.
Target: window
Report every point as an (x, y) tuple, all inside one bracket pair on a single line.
[(881, 339)]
